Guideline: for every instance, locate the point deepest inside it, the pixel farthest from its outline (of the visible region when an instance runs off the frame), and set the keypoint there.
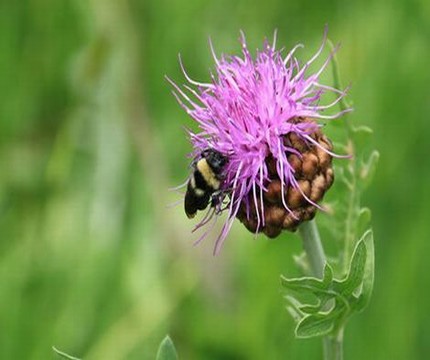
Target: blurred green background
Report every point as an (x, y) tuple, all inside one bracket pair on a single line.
[(91, 258)]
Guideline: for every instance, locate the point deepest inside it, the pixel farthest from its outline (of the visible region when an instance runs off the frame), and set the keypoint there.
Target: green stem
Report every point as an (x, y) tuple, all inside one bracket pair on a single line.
[(353, 201), (333, 345), (313, 247), (351, 219)]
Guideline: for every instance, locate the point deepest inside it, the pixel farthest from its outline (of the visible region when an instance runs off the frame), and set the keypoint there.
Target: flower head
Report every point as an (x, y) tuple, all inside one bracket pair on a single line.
[(262, 114)]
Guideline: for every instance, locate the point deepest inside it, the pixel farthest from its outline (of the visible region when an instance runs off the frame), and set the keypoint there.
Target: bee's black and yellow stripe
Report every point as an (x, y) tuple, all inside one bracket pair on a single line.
[(202, 184), (204, 181)]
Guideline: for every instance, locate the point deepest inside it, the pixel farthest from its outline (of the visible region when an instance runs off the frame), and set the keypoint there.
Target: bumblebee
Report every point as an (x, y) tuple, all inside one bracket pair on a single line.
[(204, 181)]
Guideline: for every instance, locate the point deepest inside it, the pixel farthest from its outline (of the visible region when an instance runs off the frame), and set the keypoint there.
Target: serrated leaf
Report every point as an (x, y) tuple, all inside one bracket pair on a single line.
[(363, 220), (369, 271), (307, 284), (362, 129), (317, 324), (302, 309), (295, 305), (342, 175), (360, 138), (294, 301), (368, 168), (328, 275), (311, 308), (356, 270), (294, 313), (166, 350)]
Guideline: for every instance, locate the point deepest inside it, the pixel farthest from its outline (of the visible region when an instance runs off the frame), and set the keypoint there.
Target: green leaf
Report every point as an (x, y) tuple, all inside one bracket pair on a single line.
[(368, 169), (342, 297), (63, 354), (328, 275), (355, 274), (312, 309), (360, 137), (336, 78), (344, 177), (317, 324), (295, 314), (308, 284), (369, 271), (166, 350), (364, 216), (362, 129)]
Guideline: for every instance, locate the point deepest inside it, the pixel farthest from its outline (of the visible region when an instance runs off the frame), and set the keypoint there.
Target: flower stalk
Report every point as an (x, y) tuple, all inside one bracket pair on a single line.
[(333, 344), (313, 247)]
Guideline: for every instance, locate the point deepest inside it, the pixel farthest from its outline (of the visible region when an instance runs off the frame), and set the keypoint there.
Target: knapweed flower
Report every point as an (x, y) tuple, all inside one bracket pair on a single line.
[(264, 116)]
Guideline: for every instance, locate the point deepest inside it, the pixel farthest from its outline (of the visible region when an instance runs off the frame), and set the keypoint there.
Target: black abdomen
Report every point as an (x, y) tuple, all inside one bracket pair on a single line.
[(197, 198)]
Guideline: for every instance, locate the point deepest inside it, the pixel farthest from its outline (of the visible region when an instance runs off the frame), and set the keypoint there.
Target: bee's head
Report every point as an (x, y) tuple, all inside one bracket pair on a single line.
[(215, 159)]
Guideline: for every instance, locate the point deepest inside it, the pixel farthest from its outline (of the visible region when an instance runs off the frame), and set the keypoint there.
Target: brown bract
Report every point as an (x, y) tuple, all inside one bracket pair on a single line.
[(314, 174)]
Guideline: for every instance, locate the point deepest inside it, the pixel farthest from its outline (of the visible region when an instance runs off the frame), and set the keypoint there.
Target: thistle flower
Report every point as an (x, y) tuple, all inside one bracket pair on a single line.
[(263, 115)]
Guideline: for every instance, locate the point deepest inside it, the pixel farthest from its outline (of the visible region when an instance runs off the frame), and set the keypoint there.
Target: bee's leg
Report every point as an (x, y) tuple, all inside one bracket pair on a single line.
[(216, 200), (199, 240), (208, 216)]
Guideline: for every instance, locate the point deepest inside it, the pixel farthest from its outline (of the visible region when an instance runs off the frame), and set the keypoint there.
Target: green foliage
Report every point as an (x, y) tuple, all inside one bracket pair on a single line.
[(63, 354), (167, 350), (334, 300)]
